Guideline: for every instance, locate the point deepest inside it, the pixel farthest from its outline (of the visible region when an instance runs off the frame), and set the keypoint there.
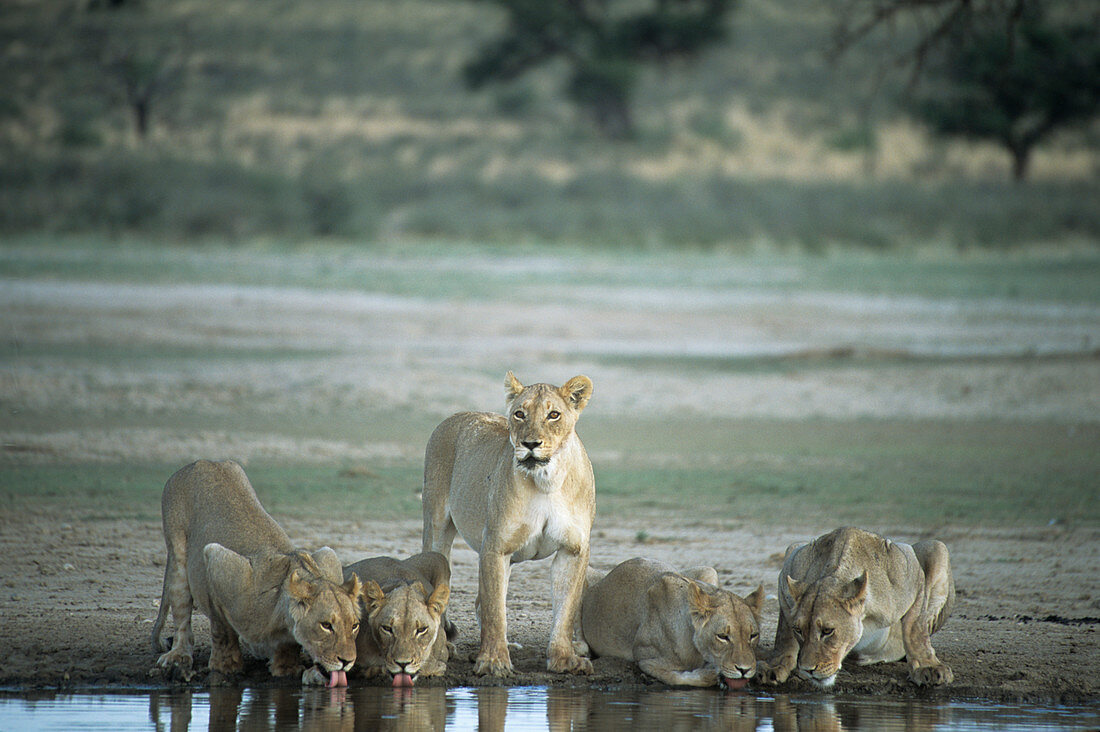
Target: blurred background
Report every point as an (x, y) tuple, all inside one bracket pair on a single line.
[(811, 253), (751, 125)]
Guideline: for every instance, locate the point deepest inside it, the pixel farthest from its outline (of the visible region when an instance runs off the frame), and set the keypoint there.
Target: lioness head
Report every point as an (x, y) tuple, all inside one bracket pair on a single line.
[(726, 631), (541, 418), (405, 624), (827, 622), (325, 619)]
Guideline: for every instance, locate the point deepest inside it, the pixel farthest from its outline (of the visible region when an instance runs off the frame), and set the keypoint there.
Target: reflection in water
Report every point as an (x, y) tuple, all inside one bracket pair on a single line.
[(495, 709)]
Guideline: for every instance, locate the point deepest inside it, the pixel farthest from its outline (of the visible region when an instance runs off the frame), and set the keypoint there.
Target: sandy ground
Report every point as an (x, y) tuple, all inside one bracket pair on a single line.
[(78, 601), (78, 597)]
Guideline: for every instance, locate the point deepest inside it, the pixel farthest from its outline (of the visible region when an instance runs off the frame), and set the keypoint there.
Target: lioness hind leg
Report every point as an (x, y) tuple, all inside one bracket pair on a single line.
[(176, 597), (928, 615), (663, 671), (938, 580), (702, 574)]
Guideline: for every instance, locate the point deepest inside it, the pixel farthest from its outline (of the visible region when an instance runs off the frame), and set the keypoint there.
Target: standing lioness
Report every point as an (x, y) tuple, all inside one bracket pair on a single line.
[(518, 487), (228, 556)]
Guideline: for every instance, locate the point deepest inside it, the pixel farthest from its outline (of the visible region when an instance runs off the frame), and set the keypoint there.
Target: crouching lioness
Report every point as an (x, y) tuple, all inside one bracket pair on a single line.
[(853, 593), (404, 600), (518, 487), (228, 556), (679, 628)]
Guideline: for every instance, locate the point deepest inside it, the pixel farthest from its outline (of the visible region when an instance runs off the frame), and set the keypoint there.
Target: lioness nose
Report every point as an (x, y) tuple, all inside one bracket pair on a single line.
[(532, 445), (345, 663)]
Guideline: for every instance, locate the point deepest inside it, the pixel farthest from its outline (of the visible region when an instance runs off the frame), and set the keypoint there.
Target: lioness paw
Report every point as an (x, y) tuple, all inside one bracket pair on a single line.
[(932, 675), (766, 673), (312, 676), (433, 668), (489, 666), (572, 664), (176, 664)]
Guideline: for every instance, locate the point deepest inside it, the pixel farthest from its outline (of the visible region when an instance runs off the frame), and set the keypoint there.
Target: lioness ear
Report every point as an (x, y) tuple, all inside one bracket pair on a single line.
[(857, 590), (512, 387), (437, 602), (298, 588), (577, 391), (795, 587), (354, 588), (755, 601), (373, 596), (700, 603)]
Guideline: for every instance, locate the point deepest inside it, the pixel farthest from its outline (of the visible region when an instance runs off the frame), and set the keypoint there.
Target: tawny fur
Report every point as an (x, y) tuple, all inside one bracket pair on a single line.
[(851, 593), (231, 560), (516, 487), (679, 627), (403, 603)]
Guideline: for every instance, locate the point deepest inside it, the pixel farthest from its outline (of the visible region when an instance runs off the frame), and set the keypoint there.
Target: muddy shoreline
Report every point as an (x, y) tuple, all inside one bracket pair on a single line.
[(79, 599)]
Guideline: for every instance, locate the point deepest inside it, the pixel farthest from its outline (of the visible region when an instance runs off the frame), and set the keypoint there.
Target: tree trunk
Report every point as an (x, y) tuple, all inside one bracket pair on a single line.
[(1021, 160), (611, 114)]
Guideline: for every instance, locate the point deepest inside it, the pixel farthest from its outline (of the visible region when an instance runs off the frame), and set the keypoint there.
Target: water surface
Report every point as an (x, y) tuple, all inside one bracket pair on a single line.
[(521, 708)]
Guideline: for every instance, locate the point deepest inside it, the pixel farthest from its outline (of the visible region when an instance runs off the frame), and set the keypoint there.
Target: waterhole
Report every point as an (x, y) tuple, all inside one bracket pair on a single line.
[(520, 708)]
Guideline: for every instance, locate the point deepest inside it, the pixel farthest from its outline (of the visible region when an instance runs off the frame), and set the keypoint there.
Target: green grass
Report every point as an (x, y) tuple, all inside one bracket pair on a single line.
[(473, 271), (351, 121), (908, 473)]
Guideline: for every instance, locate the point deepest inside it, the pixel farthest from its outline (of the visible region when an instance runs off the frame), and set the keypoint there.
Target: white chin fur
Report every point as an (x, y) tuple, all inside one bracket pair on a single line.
[(825, 683)]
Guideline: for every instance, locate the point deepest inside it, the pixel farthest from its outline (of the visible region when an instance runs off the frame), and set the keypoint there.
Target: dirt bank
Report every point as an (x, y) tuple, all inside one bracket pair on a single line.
[(78, 601)]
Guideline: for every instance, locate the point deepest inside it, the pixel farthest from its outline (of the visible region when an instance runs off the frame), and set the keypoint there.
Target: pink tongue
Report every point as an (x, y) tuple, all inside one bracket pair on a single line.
[(337, 678), (402, 680), (735, 683)]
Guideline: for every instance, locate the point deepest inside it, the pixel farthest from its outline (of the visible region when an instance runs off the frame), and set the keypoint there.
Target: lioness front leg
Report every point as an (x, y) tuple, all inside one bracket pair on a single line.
[(225, 654), (567, 586), (662, 671), (493, 658), (784, 656), (285, 660)]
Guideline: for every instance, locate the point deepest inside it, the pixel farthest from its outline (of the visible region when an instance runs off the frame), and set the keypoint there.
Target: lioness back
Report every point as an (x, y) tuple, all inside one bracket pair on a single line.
[(462, 448), (214, 502)]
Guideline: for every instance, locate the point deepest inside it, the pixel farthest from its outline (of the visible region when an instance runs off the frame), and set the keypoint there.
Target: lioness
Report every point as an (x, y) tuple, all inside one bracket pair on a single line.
[(851, 592), (404, 600), (518, 487), (678, 627), (230, 558)]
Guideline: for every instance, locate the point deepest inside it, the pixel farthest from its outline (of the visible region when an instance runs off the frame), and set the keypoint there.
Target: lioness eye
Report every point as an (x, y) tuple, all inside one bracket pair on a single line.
[(421, 631), (518, 414), (797, 634), (387, 629), (723, 637), (826, 632), (327, 626), (554, 414), (355, 627)]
